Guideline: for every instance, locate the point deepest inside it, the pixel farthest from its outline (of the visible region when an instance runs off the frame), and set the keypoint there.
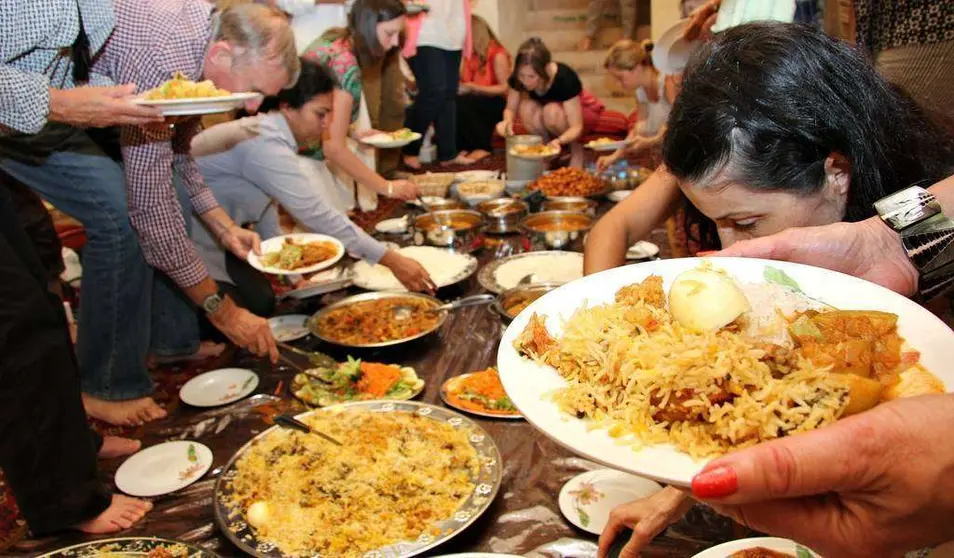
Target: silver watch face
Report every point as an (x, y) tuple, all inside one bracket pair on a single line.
[(907, 207), (211, 304)]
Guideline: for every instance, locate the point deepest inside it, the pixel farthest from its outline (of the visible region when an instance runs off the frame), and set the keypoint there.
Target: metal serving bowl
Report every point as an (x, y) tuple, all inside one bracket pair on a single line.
[(316, 319), (443, 205), (557, 230), (578, 205), (464, 226), (503, 215), (508, 301)]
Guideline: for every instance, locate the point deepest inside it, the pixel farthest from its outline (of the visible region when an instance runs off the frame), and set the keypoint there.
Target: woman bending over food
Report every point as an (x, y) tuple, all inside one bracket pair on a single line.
[(631, 66), (374, 29), (550, 100), (776, 126)]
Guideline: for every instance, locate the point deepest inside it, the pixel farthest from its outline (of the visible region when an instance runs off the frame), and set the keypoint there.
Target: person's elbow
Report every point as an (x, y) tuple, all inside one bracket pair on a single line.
[(334, 148)]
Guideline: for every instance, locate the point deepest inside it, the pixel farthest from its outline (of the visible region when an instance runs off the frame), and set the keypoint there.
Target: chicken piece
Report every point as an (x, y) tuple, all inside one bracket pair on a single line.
[(649, 291), (675, 409), (535, 340)]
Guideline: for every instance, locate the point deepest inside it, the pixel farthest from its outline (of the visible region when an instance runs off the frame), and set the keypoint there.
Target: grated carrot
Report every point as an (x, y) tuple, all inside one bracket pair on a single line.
[(377, 379)]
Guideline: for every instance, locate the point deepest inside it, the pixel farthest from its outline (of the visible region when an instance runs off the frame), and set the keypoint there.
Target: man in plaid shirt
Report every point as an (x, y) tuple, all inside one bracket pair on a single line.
[(246, 48)]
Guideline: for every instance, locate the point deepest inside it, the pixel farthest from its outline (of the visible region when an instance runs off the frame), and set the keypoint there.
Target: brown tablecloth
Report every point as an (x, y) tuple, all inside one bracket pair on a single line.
[(524, 519)]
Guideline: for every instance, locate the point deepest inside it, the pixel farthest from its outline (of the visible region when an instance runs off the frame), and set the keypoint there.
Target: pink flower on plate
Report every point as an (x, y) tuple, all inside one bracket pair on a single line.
[(587, 494)]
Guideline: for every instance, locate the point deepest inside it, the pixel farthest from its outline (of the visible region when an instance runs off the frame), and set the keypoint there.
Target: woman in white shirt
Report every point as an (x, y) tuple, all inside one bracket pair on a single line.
[(436, 41), (311, 18), (631, 65)]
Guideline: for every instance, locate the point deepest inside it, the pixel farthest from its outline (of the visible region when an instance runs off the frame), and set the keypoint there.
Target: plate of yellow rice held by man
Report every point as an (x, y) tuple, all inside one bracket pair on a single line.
[(657, 368)]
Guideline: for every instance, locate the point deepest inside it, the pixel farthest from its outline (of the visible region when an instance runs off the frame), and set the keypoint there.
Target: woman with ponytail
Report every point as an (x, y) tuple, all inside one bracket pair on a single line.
[(631, 65)]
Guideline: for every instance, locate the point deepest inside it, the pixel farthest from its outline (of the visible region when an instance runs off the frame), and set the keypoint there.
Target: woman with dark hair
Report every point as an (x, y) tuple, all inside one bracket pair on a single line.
[(251, 165), (374, 29), (482, 92), (550, 100), (776, 126)]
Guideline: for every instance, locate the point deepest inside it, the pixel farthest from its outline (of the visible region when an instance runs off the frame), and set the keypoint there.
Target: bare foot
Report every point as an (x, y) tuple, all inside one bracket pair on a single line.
[(459, 160), (586, 43), (207, 349), (131, 412), (122, 513), (115, 446), (478, 155), (412, 162)]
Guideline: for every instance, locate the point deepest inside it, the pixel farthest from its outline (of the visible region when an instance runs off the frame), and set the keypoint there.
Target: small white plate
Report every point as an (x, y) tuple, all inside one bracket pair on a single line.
[(385, 141), (287, 328), (429, 200), (726, 550), (203, 105), (586, 500), (274, 244), (642, 250), (163, 469), (604, 147), (219, 387), (617, 196), (398, 225), (472, 175), (671, 52)]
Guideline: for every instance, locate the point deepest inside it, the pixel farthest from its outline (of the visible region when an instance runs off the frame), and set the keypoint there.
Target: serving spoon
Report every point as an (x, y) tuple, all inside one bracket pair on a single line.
[(404, 312), (442, 227), (286, 421)]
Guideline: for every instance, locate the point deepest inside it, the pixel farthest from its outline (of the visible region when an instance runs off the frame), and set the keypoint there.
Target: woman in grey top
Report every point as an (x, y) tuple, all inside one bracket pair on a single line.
[(252, 166)]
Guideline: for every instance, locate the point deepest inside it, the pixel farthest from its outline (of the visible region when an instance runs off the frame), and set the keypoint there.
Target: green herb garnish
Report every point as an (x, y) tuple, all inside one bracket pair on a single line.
[(779, 277), (190, 453)]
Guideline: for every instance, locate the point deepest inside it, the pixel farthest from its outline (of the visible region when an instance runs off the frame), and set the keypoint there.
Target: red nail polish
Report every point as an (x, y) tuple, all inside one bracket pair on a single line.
[(715, 483)]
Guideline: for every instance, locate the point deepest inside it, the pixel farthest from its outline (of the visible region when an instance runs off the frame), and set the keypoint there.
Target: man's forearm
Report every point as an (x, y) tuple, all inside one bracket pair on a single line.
[(198, 293), (218, 221)]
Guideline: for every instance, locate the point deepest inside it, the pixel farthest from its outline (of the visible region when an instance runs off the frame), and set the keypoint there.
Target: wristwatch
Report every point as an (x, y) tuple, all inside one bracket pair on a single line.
[(926, 234), (212, 303)]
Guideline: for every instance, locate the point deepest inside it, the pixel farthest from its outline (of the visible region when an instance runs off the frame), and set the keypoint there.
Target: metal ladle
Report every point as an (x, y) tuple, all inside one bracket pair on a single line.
[(430, 212), (405, 312)]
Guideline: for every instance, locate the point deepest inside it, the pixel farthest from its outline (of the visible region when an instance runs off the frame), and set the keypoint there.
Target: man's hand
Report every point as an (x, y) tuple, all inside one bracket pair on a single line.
[(96, 107), (241, 241), (867, 249), (245, 329), (409, 272), (646, 517)]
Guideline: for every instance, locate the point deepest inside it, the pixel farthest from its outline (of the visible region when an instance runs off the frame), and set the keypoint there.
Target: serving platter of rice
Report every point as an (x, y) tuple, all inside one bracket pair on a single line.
[(408, 477), (656, 368)]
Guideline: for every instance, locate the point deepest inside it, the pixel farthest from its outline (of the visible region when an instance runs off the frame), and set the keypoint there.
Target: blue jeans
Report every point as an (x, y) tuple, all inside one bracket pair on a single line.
[(117, 281)]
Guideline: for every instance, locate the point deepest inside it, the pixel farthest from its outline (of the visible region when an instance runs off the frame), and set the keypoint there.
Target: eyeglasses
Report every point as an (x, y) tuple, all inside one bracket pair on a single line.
[(80, 55)]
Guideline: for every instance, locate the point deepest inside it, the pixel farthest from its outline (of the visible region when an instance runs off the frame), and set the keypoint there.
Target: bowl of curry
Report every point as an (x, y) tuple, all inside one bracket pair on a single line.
[(368, 320)]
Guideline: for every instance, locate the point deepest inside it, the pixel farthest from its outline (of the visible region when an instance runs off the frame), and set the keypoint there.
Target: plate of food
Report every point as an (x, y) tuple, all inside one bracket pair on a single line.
[(549, 266), (410, 477), (356, 380), (132, 547), (368, 320), (605, 144), (569, 182), (479, 393), (444, 266), (534, 152), (181, 96), (758, 547), (696, 358), (388, 140), (297, 254)]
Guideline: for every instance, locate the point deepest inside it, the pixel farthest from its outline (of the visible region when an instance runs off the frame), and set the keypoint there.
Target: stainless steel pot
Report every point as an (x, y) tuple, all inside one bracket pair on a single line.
[(457, 229), (577, 205), (503, 215), (557, 230), (508, 303)]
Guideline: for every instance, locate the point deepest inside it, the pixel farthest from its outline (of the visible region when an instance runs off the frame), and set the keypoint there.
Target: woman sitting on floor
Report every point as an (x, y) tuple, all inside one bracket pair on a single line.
[(776, 126), (482, 93), (374, 29), (550, 100), (631, 66)]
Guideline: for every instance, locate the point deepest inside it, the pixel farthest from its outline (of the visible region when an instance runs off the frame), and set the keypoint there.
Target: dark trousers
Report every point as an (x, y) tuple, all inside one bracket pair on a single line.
[(251, 289), (437, 72), (477, 116), (47, 451)]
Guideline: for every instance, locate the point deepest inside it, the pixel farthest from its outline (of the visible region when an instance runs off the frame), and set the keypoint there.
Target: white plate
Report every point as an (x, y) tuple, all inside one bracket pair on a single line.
[(444, 266), (203, 105), (527, 383), (219, 387), (671, 53), (429, 200), (604, 147), (398, 225), (289, 328), (642, 250), (772, 543), (385, 141), (163, 469), (275, 243), (617, 196), (472, 175), (586, 500)]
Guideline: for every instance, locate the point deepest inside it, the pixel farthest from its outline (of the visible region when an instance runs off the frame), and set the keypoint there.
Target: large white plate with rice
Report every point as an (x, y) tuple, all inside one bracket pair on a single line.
[(444, 266), (531, 386)]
